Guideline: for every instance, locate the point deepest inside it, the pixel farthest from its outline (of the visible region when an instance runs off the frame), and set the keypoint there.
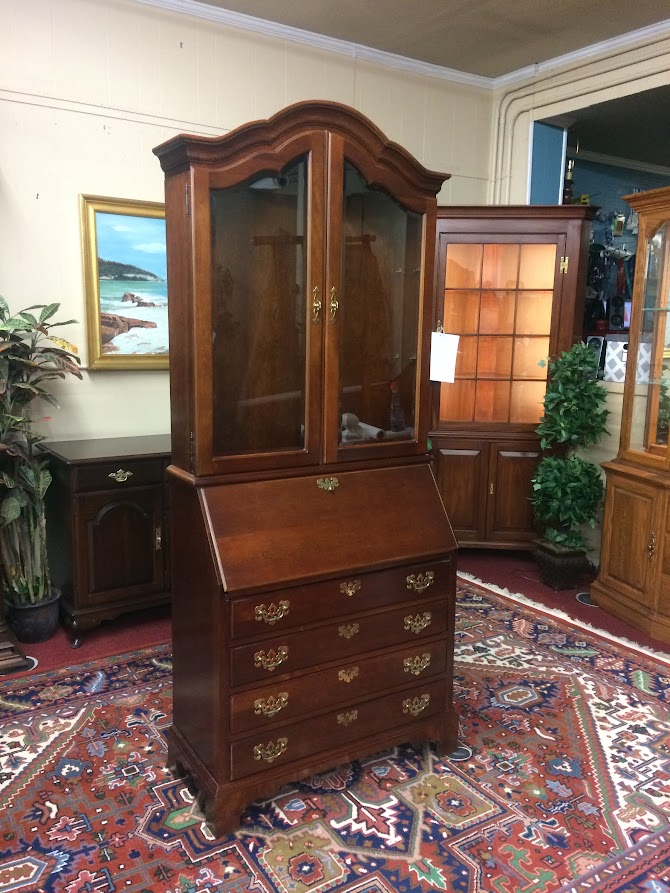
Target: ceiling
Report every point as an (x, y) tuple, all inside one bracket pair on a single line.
[(489, 38)]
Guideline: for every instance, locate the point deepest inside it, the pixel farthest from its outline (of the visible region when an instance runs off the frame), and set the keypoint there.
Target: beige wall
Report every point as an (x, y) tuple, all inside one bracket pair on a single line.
[(88, 87)]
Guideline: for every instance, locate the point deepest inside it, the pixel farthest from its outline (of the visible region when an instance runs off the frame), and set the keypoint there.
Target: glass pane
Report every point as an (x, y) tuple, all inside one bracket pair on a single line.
[(650, 416), (463, 266), (537, 267), (501, 266), (457, 401), (461, 312), (526, 404), (258, 313), (492, 401), (497, 312), (533, 312), (528, 354), (494, 357), (378, 317), (466, 357)]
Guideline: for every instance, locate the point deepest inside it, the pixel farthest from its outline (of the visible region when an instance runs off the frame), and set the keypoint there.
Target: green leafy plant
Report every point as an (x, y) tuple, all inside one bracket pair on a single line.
[(567, 489), (30, 356)]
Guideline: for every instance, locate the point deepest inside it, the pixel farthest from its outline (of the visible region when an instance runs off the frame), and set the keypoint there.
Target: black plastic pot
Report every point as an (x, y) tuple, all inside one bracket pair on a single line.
[(560, 568), (34, 623)]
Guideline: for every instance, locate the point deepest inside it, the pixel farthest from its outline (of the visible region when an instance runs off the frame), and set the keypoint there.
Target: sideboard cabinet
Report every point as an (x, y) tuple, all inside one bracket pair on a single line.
[(510, 282), (634, 577), (313, 573), (106, 527)]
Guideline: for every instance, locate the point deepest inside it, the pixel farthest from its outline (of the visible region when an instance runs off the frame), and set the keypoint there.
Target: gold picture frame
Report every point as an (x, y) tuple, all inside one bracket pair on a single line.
[(124, 256)]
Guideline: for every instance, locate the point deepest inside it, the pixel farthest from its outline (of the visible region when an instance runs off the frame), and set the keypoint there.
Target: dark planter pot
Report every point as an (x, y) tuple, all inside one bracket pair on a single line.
[(34, 623), (561, 568)]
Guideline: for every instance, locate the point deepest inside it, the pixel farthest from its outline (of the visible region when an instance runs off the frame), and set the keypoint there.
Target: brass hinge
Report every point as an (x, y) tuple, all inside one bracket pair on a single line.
[(187, 201), (563, 268)]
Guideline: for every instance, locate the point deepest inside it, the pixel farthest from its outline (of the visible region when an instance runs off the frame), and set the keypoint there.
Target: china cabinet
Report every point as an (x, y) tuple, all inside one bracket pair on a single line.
[(313, 570), (510, 282), (634, 577), (106, 527)]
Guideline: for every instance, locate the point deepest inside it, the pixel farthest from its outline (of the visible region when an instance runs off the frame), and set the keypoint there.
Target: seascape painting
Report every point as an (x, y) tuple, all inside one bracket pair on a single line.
[(127, 299)]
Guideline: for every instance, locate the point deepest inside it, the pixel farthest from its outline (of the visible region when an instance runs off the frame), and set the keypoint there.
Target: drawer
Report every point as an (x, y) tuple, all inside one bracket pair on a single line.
[(127, 473), (353, 635), (317, 602), (347, 724), (282, 702)]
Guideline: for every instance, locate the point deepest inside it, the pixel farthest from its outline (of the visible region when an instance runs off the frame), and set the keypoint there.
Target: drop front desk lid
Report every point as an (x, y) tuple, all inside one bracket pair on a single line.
[(290, 530)]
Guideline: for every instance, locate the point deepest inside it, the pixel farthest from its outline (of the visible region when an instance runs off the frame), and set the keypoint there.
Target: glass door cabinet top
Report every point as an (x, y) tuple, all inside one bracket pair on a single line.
[(498, 297)]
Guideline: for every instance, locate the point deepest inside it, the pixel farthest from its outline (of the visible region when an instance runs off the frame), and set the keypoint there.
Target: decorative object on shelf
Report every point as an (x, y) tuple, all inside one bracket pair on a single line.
[(29, 356), (567, 489), (125, 277)]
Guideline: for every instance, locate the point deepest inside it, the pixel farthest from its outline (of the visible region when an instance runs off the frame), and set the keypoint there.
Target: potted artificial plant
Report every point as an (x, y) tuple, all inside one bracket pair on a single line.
[(567, 489), (30, 356)]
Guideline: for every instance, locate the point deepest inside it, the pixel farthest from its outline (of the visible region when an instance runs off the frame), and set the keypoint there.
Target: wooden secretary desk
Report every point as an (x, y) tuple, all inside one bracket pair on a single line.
[(313, 569)]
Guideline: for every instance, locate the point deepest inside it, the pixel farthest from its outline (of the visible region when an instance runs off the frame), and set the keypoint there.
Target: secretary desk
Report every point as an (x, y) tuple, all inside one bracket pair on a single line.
[(313, 563)]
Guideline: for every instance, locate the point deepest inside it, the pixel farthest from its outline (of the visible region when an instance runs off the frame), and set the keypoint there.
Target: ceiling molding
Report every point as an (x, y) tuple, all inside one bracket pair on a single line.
[(403, 63), (614, 161)]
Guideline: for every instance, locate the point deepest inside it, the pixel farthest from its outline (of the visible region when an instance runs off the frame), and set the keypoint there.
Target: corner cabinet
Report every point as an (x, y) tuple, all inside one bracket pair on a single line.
[(634, 577), (510, 282), (313, 571)]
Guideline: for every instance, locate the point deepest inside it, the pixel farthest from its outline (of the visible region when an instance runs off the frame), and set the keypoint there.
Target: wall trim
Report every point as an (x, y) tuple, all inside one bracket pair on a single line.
[(615, 161), (403, 63)]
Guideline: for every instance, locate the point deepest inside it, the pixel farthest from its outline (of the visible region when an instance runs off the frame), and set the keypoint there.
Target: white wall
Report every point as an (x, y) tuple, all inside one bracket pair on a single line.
[(89, 87)]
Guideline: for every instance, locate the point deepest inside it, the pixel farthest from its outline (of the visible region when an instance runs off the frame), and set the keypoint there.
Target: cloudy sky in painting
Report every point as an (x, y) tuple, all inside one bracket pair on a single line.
[(132, 240)]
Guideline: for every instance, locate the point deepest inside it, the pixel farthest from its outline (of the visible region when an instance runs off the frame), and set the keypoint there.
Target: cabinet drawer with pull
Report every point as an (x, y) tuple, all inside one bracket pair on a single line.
[(252, 616), (291, 742), (356, 634), (285, 701), (119, 475)]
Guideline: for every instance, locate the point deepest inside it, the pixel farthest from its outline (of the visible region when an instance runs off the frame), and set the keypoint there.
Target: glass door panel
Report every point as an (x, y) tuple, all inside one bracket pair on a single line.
[(461, 312), (527, 401), (501, 266), (457, 402), (496, 314), (464, 266), (537, 267), (377, 314), (259, 293), (492, 401), (529, 353)]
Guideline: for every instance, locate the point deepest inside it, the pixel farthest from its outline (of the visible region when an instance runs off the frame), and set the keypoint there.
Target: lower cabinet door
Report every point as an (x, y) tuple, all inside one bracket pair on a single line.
[(461, 473), (512, 466), (119, 545)]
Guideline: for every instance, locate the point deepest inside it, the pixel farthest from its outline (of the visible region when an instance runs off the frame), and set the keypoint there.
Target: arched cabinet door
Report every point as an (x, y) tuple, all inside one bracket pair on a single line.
[(124, 540)]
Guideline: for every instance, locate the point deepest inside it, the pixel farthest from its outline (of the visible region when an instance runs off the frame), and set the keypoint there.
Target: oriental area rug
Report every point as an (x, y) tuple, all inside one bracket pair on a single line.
[(562, 784)]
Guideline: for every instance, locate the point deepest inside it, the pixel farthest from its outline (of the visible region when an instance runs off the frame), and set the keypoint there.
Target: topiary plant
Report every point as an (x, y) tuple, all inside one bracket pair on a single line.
[(567, 489)]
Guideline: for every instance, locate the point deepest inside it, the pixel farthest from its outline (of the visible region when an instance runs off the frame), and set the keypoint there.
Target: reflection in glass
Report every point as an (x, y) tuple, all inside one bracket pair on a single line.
[(651, 399), (378, 314), (258, 313)]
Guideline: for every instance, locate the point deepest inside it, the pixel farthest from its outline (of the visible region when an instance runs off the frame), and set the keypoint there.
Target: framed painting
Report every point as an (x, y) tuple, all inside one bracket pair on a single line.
[(125, 283)]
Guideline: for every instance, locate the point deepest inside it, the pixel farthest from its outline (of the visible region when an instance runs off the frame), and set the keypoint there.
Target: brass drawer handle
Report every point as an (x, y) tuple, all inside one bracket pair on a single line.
[(416, 665), (651, 548), (420, 582), (415, 705), (348, 632), (316, 303), (272, 705), (158, 538), (351, 587), (348, 675), (328, 484), (272, 613), (270, 751), (334, 303), (346, 719), (418, 622), (120, 476), (272, 659)]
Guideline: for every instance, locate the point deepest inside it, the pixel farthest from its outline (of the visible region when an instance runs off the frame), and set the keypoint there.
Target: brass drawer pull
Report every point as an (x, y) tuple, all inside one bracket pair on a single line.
[(270, 751), (415, 705), (351, 587), (271, 706), (316, 303), (271, 613), (420, 582), (416, 665), (120, 476), (418, 622), (348, 632), (348, 675), (334, 303), (651, 548), (272, 659), (328, 484), (346, 719)]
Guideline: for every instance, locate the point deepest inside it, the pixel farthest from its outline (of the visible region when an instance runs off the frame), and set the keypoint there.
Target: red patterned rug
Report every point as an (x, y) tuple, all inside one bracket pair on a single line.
[(566, 788)]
